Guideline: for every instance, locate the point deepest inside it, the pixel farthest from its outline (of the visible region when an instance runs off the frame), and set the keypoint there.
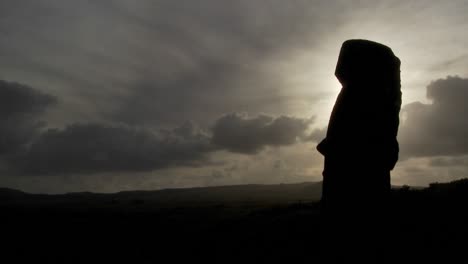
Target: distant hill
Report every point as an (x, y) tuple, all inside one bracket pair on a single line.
[(6, 193), (253, 194), (219, 195), (237, 193)]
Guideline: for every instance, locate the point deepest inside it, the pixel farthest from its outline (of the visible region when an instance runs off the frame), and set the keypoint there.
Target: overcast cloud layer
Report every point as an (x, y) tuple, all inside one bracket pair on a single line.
[(441, 127), (188, 93), (104, 147)]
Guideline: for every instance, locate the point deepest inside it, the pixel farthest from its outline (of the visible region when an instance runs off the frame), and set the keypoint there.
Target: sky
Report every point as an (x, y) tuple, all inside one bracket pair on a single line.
[(115, 95)]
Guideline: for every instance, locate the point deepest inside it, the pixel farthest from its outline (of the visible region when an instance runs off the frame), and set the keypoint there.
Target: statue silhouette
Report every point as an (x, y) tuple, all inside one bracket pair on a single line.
[(361, 145)]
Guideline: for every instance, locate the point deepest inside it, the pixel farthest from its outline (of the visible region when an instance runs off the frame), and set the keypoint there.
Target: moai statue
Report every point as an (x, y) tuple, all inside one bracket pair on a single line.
[(361, 146)]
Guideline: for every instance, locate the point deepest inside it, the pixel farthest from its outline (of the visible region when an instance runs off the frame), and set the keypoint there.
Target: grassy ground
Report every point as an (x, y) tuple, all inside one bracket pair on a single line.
[(429, 225)]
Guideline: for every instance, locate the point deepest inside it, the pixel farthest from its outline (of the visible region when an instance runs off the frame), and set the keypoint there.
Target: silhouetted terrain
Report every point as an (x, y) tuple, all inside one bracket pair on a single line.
[(252, 223), (202, 196)]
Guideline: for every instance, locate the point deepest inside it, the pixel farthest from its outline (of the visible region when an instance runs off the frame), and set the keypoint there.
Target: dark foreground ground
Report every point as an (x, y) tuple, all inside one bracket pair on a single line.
[(251, 224)]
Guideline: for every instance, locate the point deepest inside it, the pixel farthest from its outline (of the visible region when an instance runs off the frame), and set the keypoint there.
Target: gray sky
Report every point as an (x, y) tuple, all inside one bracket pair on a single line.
[(117, 95)]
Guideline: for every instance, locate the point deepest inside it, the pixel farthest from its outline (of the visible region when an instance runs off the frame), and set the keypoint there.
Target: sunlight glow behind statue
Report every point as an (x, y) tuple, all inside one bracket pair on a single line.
[(361, 145)]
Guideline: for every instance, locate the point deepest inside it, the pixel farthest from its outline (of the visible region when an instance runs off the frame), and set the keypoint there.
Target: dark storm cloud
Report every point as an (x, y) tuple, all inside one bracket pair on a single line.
[(26, 148), (98, 147), (110, 147), (242, 134), (140, 58), (440, 128), (20, 110), (90, 148), (216, 52)]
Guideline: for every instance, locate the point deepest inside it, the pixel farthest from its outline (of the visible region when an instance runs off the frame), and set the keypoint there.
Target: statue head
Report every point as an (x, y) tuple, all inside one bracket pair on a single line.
[(363, 62)]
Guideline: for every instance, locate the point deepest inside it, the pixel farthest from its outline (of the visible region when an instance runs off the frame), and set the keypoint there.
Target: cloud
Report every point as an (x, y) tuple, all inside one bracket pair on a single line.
[(28, 148), (99, 147), (450, 63), (215, 56), (243, 134), (449, 161), (139, 59), (91, 148), (439, 128), (20, 110), (317, 135)]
